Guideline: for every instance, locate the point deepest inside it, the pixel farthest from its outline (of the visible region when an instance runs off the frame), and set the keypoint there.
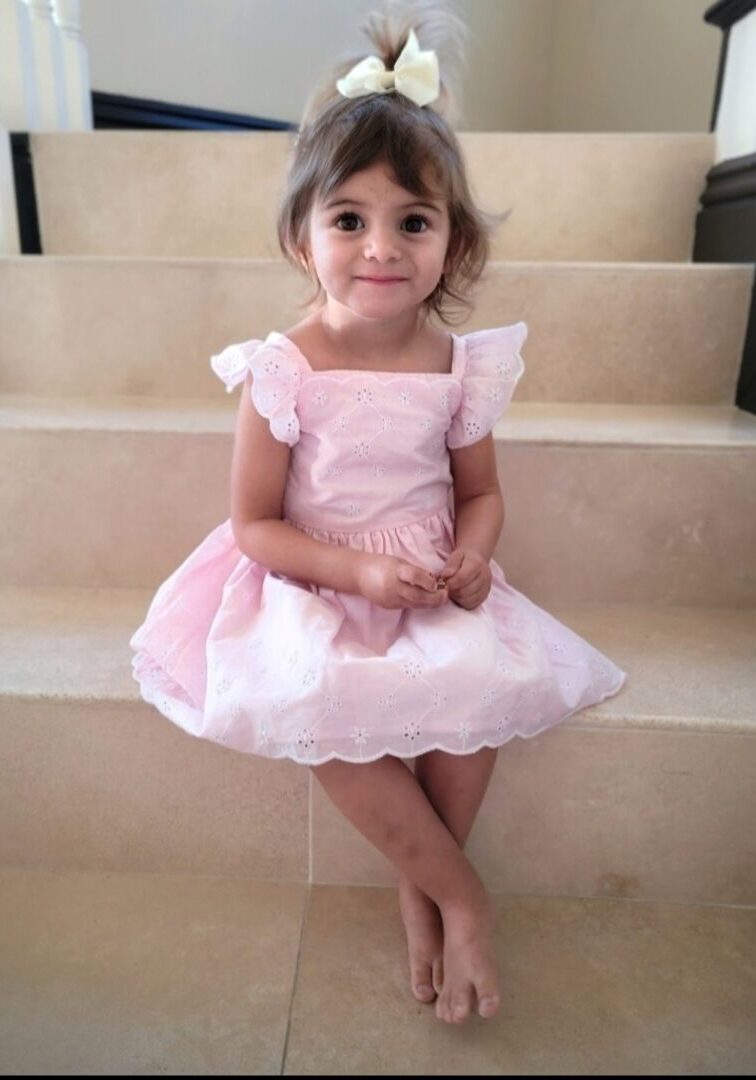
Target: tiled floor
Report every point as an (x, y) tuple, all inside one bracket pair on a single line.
[(144, 974)]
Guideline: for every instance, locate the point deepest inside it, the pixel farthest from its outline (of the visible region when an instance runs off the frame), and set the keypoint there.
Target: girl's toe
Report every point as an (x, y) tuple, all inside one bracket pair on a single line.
[(488, 1003), (422, 981), (460, 1009), (424, 992), (438, 975)]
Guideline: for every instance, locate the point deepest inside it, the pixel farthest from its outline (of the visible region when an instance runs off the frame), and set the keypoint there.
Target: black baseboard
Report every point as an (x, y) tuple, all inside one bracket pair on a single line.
[(26, 199), (119, 111)]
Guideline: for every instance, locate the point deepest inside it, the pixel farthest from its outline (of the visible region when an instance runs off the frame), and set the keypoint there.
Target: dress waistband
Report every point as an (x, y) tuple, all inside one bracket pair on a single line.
[(443, 511)]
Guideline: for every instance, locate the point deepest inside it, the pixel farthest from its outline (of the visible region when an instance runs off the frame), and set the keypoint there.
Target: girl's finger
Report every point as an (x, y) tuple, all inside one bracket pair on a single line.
[(469, 591), (417, 578), (415, 596)]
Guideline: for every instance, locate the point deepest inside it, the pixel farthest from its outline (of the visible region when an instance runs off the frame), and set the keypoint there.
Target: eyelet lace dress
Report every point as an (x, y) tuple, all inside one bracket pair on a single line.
[(262, 663)]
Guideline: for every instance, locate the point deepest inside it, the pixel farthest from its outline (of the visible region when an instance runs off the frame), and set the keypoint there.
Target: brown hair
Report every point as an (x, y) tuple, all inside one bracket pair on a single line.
[(340, 136)]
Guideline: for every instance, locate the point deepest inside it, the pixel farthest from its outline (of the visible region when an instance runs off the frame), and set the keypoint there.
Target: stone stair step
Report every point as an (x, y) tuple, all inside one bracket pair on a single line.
[(97, 327), (678, 480), (619, 197), (649, 795)]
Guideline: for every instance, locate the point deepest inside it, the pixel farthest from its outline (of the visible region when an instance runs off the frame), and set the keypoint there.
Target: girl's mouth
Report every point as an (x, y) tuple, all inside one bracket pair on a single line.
[(383, 281)]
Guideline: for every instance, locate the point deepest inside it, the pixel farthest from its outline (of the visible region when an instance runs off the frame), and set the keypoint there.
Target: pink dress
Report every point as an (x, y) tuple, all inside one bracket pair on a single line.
[(262, 663)]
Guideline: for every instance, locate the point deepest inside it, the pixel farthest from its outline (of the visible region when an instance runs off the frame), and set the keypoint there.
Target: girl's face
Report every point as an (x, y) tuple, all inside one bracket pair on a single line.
[(370, 228)]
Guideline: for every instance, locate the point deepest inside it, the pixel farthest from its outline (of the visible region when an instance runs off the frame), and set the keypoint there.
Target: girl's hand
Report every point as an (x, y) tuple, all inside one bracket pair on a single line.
[(394, 583), (468, 577)]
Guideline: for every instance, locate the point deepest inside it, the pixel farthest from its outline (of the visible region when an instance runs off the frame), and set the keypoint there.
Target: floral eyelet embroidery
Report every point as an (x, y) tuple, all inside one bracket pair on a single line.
[(473, 427), (360, 736), (305, 740), (503, 723), (412, 669), (387, 701)]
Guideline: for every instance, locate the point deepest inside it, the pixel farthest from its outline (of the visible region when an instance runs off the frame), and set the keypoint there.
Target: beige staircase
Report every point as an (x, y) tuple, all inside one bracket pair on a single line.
[(627, 474)]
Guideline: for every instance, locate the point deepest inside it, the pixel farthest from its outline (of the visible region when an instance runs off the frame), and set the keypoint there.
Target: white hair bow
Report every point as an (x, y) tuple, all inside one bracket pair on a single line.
[(415, 75)]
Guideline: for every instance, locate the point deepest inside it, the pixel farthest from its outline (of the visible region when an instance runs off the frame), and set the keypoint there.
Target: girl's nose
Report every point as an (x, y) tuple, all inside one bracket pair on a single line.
[(381, 244)]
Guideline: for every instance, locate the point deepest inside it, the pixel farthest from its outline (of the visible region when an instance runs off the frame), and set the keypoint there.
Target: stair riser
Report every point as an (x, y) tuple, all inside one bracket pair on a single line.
[(125, 508), (653, 334), (619, 197), (575, 811)]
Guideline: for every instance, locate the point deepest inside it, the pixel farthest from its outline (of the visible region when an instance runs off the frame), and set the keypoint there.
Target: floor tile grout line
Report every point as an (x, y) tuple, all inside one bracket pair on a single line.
[(305, 913), (309, 827)]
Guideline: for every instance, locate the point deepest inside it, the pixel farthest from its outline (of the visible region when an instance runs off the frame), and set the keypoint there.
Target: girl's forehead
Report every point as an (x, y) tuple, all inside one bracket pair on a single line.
[(379, 178), (358, 188)]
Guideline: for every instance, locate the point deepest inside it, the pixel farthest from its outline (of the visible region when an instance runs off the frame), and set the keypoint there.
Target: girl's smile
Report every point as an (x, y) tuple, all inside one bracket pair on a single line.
[(382, 280)]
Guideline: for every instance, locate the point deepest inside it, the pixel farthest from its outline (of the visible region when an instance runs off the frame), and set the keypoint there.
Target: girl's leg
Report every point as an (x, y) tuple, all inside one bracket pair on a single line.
[(455, 787), (389, 807)]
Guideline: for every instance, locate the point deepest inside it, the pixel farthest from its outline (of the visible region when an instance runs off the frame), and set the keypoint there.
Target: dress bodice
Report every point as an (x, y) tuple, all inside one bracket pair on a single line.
[(370, 449)]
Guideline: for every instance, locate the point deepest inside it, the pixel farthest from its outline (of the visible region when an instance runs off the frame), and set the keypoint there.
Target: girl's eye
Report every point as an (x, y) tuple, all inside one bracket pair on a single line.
[(343, 217), (418, 217), (412, 217)]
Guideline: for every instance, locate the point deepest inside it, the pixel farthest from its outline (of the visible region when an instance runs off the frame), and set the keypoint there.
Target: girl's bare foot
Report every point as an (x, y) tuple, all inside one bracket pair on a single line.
[(425, 940), (470, 973)]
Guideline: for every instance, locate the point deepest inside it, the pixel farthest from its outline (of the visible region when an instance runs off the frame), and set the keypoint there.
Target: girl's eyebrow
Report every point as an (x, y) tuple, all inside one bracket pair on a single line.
[(356, 202)]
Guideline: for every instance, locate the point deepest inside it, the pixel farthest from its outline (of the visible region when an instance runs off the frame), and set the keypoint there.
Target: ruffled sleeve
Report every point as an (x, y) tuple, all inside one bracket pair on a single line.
[(276, 378), (493, 367)]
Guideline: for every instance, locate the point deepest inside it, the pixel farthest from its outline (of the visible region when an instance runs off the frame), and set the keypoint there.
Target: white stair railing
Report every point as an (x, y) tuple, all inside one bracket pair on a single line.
[(47, 54), (44, 85), (44, 67), (77, 88)]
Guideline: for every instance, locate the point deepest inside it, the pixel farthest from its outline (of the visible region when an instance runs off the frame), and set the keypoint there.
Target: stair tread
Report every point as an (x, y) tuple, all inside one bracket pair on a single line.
[(532, 266), (688, 667), (537, 422)]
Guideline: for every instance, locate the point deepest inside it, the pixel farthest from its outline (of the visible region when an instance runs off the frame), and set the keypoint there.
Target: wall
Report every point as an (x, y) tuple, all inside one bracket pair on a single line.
[(534, 65), (644, 65)]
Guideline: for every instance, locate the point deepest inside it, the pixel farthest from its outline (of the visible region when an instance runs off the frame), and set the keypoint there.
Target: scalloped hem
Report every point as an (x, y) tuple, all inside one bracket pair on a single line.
[(150, 695)]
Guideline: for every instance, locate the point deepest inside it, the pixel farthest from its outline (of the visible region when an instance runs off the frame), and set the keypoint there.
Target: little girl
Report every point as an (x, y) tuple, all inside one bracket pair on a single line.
[(349, 614)]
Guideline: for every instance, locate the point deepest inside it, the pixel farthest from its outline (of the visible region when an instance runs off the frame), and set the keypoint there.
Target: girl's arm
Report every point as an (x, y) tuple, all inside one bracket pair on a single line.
[(259, 469), (478, 503)]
